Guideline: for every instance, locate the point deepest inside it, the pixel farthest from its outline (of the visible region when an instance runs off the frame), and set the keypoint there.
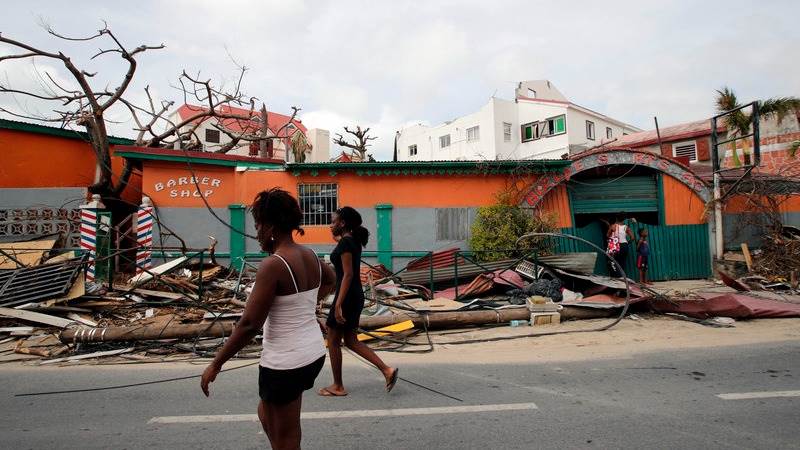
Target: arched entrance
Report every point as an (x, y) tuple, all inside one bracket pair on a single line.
[(648, 190)]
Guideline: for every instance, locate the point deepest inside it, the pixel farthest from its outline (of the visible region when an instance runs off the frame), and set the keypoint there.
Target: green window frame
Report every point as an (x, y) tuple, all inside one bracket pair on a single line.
[(557, 125)]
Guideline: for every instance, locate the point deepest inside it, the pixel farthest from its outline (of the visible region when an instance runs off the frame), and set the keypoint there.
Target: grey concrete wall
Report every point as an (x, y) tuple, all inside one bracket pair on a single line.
[(193, 225), (67, 198), (745, 227)]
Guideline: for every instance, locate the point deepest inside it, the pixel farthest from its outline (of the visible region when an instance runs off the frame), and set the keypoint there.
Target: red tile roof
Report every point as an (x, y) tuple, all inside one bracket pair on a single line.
[(275, 120)]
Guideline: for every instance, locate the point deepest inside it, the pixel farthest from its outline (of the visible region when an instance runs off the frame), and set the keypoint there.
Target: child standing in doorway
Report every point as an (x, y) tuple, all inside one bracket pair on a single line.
[(643, 251)]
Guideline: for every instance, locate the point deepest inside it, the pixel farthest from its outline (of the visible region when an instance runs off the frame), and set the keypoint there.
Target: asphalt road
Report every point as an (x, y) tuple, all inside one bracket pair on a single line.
[(661, 400)]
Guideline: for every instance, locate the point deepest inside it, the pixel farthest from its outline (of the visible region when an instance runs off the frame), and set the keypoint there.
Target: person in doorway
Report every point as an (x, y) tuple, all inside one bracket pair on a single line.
[(282, 307), (348, 302), (623, 235), (643, 255)]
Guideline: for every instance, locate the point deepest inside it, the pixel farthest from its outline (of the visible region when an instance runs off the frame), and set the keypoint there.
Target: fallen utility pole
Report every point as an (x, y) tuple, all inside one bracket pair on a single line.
[(438, 320), (147, 332), (435, 320)]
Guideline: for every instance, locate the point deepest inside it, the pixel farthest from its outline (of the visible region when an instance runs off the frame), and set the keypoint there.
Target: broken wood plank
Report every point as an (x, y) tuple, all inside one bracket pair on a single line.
[(89, 356), (81, 319), (62, 257), (158, 270), (77, 290), (748, 259), (31, 316), (161, 294), (17, 331), (29, 253)]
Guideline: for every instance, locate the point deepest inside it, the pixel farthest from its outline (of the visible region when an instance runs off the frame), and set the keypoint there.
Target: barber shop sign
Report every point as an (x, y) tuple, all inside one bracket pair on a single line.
[(188, 187)]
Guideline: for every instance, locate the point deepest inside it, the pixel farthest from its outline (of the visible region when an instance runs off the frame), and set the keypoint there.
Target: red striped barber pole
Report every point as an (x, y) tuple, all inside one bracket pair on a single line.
[(89, 233), (144, 236)]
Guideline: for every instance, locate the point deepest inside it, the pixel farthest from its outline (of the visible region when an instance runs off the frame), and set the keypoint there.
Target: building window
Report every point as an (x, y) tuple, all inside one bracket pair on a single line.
[(590, 130), (318, 202), (531, 131), (685, 150), (506, 132), (452, 224), (473, 133), (412, 150), (556, 125), (609, 133), (444, 141), (212, 136)]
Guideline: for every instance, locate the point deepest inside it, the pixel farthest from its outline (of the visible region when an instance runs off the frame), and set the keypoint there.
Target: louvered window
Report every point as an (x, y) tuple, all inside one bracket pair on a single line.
[(684, 150)]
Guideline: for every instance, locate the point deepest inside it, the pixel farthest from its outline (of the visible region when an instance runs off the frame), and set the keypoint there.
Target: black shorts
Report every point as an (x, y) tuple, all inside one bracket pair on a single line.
[(285, 386)]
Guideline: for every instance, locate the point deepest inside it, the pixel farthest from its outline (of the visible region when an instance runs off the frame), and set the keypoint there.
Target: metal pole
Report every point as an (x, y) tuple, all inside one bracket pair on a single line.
[(719, 237)]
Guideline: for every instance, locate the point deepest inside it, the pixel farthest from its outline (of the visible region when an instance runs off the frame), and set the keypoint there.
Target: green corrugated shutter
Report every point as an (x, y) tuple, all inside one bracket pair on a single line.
[(604, 195), (676, 252)]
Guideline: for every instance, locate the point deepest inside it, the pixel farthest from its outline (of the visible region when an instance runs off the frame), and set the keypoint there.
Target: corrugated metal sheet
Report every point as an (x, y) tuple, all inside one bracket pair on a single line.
[(557, 202), (676, 252), (441, 258), (579, 261), (682, 206), (631, 194), (33, 284)]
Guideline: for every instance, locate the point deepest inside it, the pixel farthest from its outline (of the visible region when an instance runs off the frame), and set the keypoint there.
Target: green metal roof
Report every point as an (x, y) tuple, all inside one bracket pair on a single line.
[(53, 131)]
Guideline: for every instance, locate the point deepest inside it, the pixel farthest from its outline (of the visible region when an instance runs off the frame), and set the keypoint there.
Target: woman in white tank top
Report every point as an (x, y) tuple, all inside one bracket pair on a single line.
[(282, 307), (623, 234)]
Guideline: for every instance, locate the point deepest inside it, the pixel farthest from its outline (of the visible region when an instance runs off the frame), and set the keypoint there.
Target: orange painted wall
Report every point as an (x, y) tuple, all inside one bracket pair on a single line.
[(170, 184), (433, 191), (31, 160), (681, 205), (739, 204), (557, 202)]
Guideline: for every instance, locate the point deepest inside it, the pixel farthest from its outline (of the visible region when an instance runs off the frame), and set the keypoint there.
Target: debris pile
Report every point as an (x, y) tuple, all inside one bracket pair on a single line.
[(53, 312)]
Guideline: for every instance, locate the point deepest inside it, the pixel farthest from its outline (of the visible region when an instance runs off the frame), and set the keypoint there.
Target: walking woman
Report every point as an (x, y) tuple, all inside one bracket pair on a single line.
[(349, 301), (288, 286)]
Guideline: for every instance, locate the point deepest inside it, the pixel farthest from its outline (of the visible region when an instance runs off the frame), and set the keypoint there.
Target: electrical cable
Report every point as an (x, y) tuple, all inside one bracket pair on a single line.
[(421, 386), (123, 386)]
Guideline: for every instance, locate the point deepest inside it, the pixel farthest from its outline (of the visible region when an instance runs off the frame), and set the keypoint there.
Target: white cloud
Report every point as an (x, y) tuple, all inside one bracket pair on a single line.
[(384, 64)]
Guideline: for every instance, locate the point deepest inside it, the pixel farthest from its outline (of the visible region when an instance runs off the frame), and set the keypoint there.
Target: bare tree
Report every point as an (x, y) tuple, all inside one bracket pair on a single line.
[(361, 143), (86, 106), (83, 106)]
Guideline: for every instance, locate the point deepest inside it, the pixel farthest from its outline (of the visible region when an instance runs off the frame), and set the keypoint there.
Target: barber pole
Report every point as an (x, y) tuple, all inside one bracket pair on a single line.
[(89, 224), (144, 236)]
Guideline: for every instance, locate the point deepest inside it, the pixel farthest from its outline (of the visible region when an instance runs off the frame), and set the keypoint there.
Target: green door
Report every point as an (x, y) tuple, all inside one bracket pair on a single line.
[(603, 195)]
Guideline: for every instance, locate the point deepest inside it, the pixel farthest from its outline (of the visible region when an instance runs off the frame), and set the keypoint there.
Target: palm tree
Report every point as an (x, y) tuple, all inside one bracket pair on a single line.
[(738, 123)]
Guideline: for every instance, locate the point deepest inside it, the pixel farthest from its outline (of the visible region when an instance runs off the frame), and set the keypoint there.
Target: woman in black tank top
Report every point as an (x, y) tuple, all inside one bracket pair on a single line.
[(344, 315)]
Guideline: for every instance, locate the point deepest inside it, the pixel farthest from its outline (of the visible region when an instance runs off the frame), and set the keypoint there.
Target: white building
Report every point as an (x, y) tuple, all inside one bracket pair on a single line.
[(540, 123), (212, 139)]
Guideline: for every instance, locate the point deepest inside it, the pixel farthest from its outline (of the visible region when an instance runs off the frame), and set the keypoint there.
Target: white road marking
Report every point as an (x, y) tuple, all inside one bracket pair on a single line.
[(353, 413), (764, 394)]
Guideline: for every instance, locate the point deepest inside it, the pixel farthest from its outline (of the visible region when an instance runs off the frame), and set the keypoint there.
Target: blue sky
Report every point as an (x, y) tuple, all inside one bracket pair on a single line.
[(388, 64)]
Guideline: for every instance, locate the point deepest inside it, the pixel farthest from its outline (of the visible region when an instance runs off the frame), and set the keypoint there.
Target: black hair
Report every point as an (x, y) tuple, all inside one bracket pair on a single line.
[(278, 208), (642, 231), (352, 223)]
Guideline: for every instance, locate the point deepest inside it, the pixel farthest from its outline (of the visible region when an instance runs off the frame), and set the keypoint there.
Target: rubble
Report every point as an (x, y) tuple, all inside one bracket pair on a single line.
[(186, 307)]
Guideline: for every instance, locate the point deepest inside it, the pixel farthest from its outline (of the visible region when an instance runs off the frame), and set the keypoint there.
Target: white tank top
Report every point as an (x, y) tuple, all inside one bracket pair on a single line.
[(622, 234), (291, 335)]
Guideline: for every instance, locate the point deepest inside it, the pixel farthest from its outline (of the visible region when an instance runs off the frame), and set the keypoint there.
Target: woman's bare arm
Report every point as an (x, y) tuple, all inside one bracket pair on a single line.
[(249, 325)]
